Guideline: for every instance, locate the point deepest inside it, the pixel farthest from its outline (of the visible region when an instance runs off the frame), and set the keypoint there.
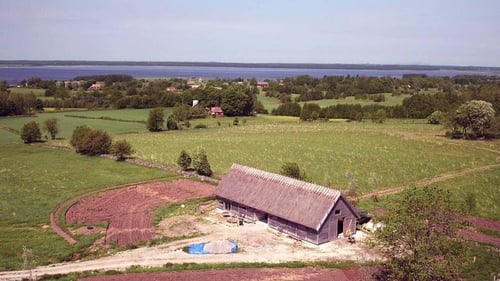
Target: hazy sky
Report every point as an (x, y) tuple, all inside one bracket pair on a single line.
[(449, 32)]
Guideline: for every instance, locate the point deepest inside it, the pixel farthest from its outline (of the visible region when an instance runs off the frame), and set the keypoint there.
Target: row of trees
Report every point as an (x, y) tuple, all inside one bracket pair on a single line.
[(86, 140), (31, 131)]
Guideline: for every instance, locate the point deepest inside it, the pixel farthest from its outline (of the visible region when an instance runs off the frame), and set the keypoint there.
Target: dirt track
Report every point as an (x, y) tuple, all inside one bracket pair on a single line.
[(258, 244), (428, 181), (246, 274)]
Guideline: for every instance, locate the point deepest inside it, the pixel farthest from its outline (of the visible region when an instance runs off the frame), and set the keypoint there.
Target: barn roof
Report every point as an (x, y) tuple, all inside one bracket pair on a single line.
[(297, 201)]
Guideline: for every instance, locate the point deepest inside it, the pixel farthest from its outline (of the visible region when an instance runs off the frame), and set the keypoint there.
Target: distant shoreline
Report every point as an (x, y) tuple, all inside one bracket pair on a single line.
[(20, 63)]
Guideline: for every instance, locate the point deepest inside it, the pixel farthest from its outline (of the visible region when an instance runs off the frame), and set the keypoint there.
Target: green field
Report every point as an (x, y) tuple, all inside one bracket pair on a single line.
[(21, 90), (34, 180), (390, 100)]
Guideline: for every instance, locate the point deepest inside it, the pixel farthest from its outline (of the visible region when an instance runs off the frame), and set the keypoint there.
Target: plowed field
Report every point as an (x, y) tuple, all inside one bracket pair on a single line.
[(129, 210), (311, 274)]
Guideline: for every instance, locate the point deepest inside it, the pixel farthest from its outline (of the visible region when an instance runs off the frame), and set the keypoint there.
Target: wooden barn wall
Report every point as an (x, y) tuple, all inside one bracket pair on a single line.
[(293, 229), (340, 211)]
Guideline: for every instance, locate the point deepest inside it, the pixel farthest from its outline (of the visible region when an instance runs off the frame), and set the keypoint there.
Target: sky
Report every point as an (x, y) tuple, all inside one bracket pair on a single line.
[(434, 32)]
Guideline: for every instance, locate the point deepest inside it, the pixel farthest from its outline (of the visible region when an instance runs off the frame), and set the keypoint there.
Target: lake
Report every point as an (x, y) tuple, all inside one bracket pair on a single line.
[(14, 74)]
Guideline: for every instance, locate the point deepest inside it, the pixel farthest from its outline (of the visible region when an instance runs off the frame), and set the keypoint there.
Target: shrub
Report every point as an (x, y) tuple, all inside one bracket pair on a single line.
[(292, 170), (236, 121), (172, 124), (435, 118), (121, 149), (90, 141), (184, 160), (78, 135), (31, 132), (200, 163)]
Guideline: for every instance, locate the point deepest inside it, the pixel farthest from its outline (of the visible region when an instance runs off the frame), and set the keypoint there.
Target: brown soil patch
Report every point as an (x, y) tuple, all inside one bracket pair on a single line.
[(480, 237), (246, 274), (484, 223), (129, 210), (179, 226)]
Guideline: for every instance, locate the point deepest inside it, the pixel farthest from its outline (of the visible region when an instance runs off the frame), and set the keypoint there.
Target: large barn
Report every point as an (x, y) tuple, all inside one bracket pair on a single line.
[(303, 210)]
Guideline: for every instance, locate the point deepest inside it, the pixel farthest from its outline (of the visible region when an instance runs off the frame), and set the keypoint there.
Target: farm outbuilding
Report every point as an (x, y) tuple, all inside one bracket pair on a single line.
[(303, 210)]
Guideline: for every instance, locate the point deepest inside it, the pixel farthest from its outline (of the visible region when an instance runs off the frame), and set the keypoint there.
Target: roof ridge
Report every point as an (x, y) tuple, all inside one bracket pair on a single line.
[(294, 183)]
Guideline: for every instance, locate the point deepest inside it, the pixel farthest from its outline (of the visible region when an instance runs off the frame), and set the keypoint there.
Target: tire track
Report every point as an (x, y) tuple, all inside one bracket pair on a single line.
[(432, 180)]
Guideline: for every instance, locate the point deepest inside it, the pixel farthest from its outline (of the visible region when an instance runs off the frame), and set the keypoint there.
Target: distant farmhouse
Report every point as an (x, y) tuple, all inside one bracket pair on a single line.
[(303, 210), (95, 86), (216, 111), (262, 84)]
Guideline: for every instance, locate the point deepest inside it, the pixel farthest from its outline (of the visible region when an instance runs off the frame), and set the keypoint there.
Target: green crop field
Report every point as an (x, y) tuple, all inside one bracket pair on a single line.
[(34, 180)]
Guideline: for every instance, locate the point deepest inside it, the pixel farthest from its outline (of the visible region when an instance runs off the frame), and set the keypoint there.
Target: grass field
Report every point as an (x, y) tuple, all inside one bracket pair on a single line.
[(21, 90), (390, 100), (34, 180), (485, 186), (373, 156)]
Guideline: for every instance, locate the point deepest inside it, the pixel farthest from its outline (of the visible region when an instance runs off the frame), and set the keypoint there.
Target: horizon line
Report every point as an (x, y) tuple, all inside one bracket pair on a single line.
[(42, 62)]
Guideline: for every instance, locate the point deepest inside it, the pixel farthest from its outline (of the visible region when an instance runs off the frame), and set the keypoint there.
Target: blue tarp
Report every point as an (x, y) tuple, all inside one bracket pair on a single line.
[(199, 248)]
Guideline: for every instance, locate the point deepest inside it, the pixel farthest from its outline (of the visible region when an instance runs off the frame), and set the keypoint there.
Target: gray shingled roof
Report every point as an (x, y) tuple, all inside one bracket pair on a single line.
[(297, 201)]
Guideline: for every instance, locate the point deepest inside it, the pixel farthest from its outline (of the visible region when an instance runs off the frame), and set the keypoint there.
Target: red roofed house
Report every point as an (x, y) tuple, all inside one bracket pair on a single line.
[(262, 84), (171, 89), (95, 86), (216, 111), (303, 210)]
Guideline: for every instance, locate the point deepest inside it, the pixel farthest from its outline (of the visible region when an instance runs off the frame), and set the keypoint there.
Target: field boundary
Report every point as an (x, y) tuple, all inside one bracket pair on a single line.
[(431, 180)]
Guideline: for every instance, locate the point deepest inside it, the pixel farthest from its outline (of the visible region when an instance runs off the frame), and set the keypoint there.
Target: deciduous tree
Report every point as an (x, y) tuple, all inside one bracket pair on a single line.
[(50, 125), (419, 237), (155, 120)]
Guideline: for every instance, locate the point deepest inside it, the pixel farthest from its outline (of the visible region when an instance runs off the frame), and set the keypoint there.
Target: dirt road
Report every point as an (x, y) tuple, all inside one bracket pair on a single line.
[(257, 243)]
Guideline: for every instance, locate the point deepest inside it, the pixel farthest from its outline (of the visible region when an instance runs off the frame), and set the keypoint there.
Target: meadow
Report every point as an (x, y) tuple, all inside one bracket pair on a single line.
[(368, 156), (390, 100), (34, 180)]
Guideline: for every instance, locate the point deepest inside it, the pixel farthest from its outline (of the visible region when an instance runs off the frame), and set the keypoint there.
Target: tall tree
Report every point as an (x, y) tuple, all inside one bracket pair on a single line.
[(419, 237), (50, 125), (155, 120)]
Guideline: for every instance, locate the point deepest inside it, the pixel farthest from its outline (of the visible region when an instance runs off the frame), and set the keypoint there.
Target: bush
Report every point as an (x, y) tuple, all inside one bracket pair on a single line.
[(172, 124), (90, 141), (31, 132), (200, 163), (121, 149), (435, 118), (292, 170), (184, 160)]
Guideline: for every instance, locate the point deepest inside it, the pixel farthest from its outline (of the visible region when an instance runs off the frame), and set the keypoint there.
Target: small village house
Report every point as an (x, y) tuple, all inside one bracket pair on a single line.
[(303, 210), (262, 84), (216, 111)]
